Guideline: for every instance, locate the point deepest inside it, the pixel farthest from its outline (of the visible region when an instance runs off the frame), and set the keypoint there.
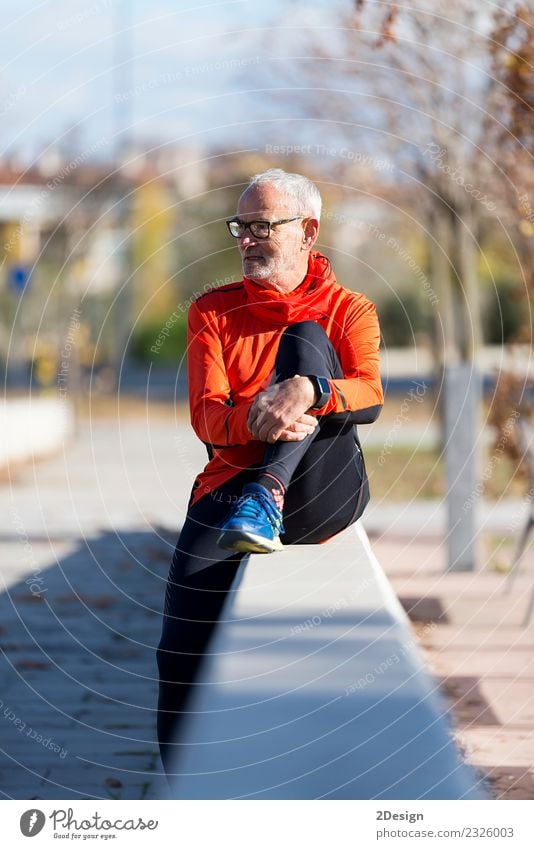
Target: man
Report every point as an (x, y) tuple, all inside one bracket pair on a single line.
[(282, 365)]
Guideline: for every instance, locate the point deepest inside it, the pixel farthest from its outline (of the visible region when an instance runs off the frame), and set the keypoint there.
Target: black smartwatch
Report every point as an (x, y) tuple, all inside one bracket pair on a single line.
[(323, 392)]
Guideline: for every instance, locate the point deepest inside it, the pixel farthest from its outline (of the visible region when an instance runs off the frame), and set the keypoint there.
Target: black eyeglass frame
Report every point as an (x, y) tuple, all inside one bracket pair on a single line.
[(248, 225)]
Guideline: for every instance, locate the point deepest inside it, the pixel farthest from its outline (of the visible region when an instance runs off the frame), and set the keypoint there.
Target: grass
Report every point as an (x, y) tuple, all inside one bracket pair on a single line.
[(407, 474)]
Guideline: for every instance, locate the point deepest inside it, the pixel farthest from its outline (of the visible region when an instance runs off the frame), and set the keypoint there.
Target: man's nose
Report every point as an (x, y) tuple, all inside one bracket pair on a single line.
[(246, 239)]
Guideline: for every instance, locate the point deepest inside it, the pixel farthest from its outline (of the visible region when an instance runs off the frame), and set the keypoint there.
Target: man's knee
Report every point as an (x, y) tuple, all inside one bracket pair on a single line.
[(303, 338), (305, 345), (308, 331)]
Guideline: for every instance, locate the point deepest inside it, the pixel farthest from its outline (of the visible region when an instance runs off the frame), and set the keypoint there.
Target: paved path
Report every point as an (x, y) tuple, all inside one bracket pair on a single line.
[(84, 563)]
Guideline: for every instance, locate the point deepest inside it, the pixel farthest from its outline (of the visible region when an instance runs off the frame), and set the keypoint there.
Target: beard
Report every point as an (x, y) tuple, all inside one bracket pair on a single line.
[(271, 272), (259, 268)]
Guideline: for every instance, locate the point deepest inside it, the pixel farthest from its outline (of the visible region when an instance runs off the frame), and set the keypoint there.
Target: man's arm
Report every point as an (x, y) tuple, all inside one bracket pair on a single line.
[(359, 391), (212, 419)]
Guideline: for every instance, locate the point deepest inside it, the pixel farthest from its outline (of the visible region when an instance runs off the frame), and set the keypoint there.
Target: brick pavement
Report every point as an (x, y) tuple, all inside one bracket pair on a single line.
[(470, 627)]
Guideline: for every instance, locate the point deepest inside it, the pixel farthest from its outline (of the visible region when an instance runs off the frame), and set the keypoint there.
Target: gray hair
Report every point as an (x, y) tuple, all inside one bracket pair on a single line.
[(295, 186)]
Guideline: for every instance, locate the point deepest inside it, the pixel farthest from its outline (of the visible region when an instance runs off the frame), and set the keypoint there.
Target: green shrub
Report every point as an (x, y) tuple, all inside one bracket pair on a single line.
[(401, 317), (502, 316), (151, 342)]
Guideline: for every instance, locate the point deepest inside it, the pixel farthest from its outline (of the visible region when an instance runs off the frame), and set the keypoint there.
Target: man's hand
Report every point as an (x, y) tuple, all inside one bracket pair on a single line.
[(279, 412), (299, 430)]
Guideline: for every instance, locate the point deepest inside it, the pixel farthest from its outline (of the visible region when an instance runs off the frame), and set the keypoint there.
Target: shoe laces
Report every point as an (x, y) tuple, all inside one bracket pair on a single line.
[(251, 504)]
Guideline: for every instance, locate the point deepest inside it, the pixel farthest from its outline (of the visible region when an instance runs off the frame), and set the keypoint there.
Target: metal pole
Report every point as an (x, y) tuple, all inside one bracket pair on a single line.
[(462, 405)]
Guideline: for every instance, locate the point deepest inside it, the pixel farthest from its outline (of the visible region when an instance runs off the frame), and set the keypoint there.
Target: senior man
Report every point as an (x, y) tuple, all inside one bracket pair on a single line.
[(282, 366)]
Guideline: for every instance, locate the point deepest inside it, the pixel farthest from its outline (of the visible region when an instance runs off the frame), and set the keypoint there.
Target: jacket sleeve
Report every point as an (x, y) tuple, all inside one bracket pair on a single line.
[(214, 419), (360, 389)]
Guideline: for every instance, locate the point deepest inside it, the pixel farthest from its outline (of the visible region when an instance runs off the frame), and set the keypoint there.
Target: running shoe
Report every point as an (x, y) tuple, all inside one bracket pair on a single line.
[(254, 523)]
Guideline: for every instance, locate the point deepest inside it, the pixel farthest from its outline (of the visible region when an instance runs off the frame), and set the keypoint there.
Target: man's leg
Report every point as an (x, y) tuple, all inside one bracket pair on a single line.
[(329, 488), (304, 349), (322, 477), (199, 580)]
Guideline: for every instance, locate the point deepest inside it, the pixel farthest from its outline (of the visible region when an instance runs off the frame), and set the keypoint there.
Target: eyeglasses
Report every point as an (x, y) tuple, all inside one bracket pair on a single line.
[(258, 229)]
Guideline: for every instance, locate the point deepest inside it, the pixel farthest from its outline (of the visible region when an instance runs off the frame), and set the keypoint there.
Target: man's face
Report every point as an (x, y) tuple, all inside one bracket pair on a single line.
[(270, 261)]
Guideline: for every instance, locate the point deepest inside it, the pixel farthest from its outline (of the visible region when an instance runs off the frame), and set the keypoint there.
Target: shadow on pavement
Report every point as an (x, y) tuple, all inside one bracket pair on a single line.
[(78, 675)]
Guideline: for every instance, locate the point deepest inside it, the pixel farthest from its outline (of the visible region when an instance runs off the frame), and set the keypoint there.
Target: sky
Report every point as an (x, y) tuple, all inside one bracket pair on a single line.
[(74, 73), (86, 76)]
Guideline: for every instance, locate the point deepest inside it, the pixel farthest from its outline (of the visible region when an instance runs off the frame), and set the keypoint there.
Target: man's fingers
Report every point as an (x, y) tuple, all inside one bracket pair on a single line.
[(268, 426), (291, 436), (265, 430), (308, 420), (301, 430), (303, 427), (266, 433)]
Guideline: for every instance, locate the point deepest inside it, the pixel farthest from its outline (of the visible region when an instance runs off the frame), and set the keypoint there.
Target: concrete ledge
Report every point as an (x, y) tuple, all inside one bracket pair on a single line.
[(32, 427), (314, 689)]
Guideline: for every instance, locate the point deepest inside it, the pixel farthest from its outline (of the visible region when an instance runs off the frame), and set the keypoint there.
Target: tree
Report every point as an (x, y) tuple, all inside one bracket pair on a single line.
[(424, 70), (512, 51)]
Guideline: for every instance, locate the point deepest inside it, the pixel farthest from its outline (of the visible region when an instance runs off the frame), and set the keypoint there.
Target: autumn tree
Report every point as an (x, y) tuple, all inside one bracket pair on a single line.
[(414, 82)]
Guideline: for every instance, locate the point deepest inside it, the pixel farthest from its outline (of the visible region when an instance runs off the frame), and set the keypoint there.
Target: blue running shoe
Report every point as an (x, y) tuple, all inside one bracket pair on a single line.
[(254, 524)]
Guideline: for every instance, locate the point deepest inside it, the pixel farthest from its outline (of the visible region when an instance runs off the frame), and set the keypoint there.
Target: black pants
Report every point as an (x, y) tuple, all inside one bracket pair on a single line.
[(327, 490)]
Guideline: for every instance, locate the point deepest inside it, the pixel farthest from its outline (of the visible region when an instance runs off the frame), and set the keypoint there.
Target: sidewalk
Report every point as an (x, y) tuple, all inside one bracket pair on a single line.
[(84, 564), (85, 553), (470, 630)]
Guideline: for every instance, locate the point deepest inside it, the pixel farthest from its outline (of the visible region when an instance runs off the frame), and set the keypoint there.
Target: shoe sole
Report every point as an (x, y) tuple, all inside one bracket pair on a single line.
[(247, 542)]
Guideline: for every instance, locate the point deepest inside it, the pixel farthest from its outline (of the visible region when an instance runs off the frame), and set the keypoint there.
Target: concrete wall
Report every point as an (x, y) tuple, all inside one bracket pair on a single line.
[(32, 428)]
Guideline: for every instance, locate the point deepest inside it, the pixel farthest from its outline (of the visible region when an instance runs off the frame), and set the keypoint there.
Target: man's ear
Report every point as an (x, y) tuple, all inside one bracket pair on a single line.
[(311, 232)]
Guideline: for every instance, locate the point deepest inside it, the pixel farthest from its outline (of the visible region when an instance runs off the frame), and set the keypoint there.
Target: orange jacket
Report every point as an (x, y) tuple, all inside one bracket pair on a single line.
[(231, 356)]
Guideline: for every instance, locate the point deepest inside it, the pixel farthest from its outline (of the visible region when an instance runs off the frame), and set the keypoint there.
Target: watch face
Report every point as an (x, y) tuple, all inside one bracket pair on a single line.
[(324, 392)]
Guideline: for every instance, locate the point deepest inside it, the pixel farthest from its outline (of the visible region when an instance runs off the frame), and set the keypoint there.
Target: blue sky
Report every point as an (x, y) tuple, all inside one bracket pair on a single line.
[(72, 71), (189, 64)]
